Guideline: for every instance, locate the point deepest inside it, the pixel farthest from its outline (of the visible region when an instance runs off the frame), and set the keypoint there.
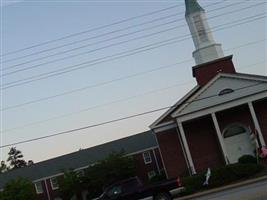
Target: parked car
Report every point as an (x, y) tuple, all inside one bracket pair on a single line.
[(134, 189)]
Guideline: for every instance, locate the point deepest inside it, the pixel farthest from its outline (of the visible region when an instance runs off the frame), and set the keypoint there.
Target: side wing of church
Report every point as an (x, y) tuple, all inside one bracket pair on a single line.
[(215, 122)]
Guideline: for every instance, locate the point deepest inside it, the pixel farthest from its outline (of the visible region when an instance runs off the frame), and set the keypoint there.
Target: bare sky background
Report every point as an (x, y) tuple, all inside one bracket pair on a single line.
[(144, 77)]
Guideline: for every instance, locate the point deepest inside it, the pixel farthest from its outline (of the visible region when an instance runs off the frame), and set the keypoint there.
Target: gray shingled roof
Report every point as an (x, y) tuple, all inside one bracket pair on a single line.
[(192, 6), (81, 158)]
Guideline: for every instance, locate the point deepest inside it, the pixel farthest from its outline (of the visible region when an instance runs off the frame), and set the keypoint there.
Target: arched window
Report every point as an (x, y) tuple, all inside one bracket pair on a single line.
[(234, 129)]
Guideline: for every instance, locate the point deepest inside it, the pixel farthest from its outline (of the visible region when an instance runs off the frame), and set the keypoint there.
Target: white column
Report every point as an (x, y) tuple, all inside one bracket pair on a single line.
[(186, 147), (156, 160), (219, 135), (256, 123)]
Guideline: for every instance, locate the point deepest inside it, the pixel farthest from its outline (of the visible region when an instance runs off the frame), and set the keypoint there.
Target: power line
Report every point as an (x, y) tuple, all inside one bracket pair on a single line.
[(85, 127), (119, 55), (99, 106), (91, 30), (119, 79), (110, 39), (107, 33), (111, 121), (112, 102)]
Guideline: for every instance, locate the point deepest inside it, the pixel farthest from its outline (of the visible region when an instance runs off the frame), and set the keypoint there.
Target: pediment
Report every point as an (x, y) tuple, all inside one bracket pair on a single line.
[(221, 89)]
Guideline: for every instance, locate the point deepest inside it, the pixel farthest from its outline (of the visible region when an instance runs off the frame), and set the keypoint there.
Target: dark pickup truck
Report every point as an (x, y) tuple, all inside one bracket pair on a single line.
[(133, 189)]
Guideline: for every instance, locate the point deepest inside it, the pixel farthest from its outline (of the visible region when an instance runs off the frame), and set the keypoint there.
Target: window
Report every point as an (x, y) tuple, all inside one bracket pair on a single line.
[(39, 187), (233, 130), (54, 183), (80, 173), (225, 91), (147, 157), (151, 174)]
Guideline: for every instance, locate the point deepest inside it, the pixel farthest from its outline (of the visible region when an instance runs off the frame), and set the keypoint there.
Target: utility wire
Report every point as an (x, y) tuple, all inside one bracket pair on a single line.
[(121, 78), (114, 120), (114, 44), (85, 127), (91, 30), (118, 55), (105, 34), (112, 102), (99, 106)]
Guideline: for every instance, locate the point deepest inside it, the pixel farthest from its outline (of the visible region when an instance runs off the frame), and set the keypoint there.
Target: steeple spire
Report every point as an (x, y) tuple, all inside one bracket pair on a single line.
[(206, 47), (192, 6)]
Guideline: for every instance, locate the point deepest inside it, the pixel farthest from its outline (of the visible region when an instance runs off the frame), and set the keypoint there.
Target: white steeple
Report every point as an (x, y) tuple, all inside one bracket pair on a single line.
[(206, 47)]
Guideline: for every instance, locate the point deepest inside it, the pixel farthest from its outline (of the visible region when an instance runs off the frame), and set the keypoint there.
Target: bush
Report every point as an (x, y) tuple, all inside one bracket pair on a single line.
[(18, 189), (247, 159), (193, 183), (220, 176), (157, 177)]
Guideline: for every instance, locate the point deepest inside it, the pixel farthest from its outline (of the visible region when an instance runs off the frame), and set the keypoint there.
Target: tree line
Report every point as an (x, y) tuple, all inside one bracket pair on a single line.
[(115, 166), (15, 160)]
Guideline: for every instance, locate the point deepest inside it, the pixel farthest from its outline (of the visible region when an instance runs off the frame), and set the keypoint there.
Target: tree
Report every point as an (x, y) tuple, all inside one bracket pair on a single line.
[(18, 189), (70, 185), (15, 157), (3, 167), (115, 167)]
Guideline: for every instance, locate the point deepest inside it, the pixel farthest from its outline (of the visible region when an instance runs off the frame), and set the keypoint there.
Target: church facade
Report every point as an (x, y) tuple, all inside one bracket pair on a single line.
[(222, 118)]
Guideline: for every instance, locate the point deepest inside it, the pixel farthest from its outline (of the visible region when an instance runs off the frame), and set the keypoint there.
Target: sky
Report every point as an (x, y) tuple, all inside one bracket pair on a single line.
[(69, 64)]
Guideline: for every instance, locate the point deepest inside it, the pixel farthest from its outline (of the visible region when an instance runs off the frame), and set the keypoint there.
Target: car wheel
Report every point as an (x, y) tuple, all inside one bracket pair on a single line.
[(163, 196)]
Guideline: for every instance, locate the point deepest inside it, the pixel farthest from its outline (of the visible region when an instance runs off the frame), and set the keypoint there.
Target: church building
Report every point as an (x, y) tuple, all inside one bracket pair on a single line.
[(222, 118)]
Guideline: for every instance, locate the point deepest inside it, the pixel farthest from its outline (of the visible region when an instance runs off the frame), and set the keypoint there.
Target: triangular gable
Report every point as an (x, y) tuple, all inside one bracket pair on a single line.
[(164, 118), (209, 95)]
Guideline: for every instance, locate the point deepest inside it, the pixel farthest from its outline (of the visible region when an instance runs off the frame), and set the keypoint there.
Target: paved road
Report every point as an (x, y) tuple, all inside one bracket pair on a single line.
[(255, 191)]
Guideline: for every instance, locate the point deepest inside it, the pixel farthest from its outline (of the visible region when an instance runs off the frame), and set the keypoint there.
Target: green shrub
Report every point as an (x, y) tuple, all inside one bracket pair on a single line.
[(245, 159), (220, 176), (157, 177), (193, 183), (230, 173)]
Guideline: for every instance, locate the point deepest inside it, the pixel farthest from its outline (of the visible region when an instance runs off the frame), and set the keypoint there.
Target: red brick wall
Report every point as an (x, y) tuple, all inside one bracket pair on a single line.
[(261, 112), (172, 153), (142, 168), (42, 196), (205, 72), (159, 160), (203, 143), (53, 193), (239, 114)]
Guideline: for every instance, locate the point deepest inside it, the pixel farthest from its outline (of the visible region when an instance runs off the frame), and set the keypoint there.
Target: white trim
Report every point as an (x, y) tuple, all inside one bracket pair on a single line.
[(147, 155), (203, 89), (219, 135), (36, 188), (212, 81), (48, 177), (155, 124), (162, 160), (47, 190), (164, 128), (187, 151), (51, 183), (183, 149), (256, 123), (141, 151), (156, 160), (225, 106)]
